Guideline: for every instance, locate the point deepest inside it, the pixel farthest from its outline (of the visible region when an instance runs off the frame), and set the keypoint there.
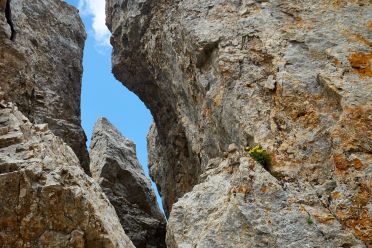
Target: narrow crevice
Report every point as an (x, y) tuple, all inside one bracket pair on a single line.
[(8, 15)]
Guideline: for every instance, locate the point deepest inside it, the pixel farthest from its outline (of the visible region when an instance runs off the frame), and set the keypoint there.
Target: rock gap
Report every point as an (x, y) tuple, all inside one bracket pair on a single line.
[(8, 15)]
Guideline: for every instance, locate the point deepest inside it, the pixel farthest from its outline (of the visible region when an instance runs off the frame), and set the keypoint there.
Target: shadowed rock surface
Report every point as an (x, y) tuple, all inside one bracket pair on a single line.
[(41, 67), (46, 199), (115, 166), (291, 76)]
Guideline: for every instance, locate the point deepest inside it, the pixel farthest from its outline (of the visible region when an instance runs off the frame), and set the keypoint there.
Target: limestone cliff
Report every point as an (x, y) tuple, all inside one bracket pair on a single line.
[(115, 166), (291, 76), (46, 199), (41, 66)]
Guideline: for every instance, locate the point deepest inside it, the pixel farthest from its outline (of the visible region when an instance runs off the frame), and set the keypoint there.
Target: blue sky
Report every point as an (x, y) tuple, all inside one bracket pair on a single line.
[(102, 94)]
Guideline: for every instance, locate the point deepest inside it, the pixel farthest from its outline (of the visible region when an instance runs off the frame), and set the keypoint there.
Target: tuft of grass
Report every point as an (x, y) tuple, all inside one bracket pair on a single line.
[(260, 155), (309, 220)]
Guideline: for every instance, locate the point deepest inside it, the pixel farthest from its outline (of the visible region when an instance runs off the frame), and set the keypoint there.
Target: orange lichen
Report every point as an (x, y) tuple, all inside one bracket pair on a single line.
[(354, 129), (362, 225), (245, 189), (361, 63), (264, 189), (357, 216), (357, 164), (341, 163), (369, 26), (361, 39), (335, 195), (336, 61), (310, 119)]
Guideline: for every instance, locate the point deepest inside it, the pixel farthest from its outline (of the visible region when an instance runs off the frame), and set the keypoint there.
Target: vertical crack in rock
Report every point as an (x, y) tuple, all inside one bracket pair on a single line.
[(8, 15)]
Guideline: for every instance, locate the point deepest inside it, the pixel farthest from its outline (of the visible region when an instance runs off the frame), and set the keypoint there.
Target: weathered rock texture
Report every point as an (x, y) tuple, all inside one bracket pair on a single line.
[(46, 199), (41, 68), (239, 204), (115, 166), (292, 76)]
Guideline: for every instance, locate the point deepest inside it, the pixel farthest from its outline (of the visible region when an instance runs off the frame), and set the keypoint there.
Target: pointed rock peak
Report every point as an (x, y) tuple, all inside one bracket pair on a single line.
[(106, 130), (108, 144), (115, 166), (103, 124)]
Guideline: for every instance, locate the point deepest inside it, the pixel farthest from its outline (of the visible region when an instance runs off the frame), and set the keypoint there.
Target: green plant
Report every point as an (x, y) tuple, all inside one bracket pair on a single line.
[(260, 155), (309, 220)]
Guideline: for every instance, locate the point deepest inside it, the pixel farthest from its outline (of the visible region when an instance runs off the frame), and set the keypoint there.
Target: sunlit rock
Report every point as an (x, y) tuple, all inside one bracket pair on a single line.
[(291, 76)]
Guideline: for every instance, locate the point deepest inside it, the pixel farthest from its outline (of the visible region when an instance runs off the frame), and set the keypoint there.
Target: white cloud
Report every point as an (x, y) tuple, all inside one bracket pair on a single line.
[(96, 8)]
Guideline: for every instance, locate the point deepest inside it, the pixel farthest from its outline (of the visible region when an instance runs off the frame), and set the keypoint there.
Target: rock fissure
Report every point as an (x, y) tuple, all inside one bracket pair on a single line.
[(8, 16)]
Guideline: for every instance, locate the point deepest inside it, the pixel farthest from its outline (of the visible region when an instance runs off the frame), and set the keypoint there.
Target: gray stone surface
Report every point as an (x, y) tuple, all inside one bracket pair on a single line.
[(239, 204), (115, 166), (41, 68), (46, 199), (292, 76)]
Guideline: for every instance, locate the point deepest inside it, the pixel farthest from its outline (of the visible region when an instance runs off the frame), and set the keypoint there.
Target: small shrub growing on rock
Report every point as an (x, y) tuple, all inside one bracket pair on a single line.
[(260, 155)]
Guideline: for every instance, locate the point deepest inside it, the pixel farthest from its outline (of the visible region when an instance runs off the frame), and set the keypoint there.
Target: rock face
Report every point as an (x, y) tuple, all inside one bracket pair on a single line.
[(46, 199), (239, 204), (41, 67), (115, 166), (291, 76)]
